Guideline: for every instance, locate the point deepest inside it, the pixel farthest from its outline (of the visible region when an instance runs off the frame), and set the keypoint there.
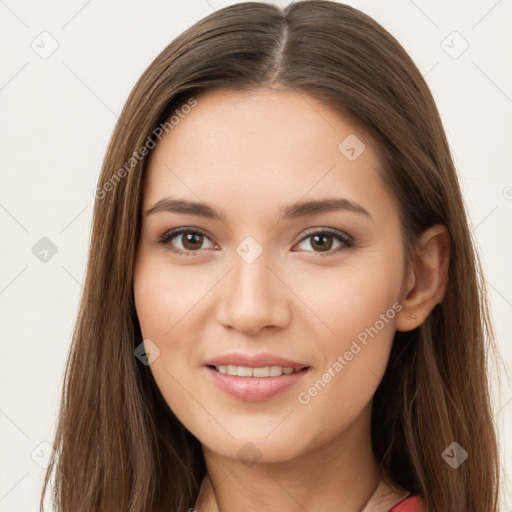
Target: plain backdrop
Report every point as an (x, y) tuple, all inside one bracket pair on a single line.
[(66, 70)]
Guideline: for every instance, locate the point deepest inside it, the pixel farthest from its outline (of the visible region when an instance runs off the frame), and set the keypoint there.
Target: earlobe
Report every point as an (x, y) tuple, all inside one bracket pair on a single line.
[(427, 282)]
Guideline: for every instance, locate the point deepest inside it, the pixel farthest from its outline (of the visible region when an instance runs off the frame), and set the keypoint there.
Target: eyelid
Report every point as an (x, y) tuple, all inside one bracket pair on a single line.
[(330, 231)]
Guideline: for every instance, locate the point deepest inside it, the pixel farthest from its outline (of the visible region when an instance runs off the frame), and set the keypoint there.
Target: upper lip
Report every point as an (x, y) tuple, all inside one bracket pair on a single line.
[(254, 360)]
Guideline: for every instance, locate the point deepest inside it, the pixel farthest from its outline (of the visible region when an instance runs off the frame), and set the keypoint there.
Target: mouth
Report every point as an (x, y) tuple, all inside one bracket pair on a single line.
[(255, 384), (258, 372)]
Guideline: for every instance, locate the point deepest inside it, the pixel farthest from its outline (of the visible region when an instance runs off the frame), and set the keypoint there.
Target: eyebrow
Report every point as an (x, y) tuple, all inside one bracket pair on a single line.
[(293, 211)]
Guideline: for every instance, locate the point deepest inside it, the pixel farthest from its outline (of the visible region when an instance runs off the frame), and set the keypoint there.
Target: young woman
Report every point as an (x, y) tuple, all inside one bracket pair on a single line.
[(283, 308)]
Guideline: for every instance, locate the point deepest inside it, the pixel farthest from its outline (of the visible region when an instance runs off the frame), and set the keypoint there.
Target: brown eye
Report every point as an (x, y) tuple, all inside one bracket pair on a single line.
[(186, 241), (324, 241), (192, 241)]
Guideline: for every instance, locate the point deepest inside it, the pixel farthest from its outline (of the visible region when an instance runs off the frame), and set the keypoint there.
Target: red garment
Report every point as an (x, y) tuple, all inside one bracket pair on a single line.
[(410, 504)]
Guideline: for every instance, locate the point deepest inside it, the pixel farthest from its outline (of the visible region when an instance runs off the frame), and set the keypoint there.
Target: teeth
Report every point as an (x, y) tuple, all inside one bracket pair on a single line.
[(265, 371)]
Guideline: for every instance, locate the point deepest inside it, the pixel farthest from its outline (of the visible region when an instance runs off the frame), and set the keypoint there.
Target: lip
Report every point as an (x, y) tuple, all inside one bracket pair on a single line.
[(254, 389), (254, 361)]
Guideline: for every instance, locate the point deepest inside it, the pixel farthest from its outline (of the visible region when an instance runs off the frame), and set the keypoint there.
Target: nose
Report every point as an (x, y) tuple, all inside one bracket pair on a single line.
[(253, 297)]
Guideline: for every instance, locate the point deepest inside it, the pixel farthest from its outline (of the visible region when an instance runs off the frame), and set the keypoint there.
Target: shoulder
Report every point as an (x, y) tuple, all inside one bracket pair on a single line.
[(410, 504)]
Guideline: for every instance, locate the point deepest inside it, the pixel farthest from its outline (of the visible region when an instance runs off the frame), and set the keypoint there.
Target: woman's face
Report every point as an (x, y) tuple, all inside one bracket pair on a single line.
[(275, 282)]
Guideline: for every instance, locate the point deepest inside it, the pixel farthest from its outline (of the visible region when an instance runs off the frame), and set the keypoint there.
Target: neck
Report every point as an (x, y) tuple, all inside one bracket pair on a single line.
[(340, 476)]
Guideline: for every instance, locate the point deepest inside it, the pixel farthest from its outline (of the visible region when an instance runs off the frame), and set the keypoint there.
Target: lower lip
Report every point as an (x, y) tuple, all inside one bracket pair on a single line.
[(254, 389)]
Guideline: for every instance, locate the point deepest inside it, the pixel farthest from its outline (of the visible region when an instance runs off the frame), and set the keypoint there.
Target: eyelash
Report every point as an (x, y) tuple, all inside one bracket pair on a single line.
[(347, 241)]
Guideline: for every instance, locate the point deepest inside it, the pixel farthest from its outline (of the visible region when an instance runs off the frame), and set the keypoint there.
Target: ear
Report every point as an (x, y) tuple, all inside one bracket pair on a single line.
[(427, 280)]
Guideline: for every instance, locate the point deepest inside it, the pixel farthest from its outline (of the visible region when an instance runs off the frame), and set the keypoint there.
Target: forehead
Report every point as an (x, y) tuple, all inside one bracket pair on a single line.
[(264, 124), (260, 147)]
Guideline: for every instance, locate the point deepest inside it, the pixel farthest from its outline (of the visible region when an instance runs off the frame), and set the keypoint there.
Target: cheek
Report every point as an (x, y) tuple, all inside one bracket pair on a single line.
[(354, 362), (164, 297), (354, 298), (360, 306), (169, 301), (164, 301)]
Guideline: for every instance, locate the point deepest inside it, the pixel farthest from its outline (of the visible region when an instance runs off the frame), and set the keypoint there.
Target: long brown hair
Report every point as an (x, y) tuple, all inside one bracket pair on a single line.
[(118, 446)]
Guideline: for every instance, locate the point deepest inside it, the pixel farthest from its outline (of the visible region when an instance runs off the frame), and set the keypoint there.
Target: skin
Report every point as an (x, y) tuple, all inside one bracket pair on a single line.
[(249, 154)]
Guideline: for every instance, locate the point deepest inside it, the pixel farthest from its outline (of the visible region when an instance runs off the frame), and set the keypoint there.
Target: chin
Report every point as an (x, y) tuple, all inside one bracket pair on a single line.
[(252, 451)]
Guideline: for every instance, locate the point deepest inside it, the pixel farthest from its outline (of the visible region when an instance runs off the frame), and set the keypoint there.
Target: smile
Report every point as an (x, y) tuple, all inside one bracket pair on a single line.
[(264, 371), (247, 385)]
